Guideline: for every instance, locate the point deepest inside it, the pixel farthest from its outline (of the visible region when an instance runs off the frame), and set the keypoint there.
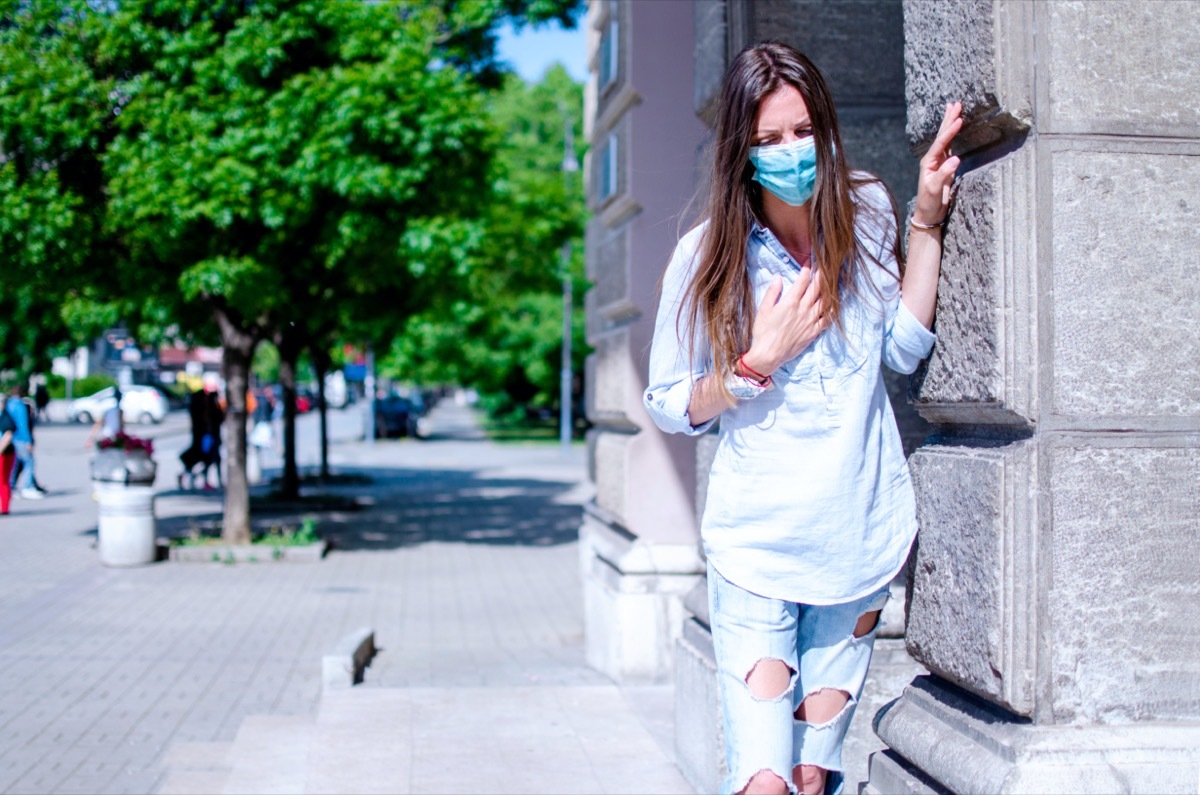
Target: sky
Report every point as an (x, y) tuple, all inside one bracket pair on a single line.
[(531, 52)]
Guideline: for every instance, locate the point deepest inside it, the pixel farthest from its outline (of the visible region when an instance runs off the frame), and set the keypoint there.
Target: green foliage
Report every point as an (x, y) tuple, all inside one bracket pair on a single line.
[(500, 330), (56, 385), (54, 124), (266, 363)]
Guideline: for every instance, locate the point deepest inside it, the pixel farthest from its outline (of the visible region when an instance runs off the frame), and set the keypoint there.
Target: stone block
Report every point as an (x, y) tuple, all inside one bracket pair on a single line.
[(1124, 67), (609, 459), (960, 744), (1124, 589), (708, 55), (699, 739), (979, 52), (836, 36), (612, 377), (984, 364), (1126, 226), (874, 142), (633, 599), (344, 664), (972, 613)]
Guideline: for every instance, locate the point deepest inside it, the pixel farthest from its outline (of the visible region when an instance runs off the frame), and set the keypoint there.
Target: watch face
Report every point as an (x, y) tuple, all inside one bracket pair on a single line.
[(744, 389)]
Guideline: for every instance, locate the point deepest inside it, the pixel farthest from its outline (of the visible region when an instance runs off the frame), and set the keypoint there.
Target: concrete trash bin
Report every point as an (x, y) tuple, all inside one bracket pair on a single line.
[(127, 528), (128, 533)]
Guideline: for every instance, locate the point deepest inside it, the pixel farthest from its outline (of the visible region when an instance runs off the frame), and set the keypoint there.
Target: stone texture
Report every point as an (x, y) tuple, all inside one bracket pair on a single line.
[(1126, 226), (708, 56), (609, 461), (983, 367), (699, 739), (610, 377), (1124, 640), (835, 35), (1132, 44), (608, 252), (974, 51), (964, 367), (970, 617), (874, 142), (966, 746)]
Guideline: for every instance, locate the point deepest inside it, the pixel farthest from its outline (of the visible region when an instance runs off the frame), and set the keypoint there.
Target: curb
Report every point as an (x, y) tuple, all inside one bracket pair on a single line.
[(342, 666)]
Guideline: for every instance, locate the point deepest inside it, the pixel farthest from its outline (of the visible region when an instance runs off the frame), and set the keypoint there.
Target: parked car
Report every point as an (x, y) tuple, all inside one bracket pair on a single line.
[(142, 404), (395, 415)]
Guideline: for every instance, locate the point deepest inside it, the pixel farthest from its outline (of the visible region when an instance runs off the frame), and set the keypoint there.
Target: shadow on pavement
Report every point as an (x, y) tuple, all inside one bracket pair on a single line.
[(408, 507)]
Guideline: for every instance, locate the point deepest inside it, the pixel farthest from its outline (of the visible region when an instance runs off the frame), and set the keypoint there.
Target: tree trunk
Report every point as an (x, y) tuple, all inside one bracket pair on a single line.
[(238, 345), (321, 365), (288, 344)]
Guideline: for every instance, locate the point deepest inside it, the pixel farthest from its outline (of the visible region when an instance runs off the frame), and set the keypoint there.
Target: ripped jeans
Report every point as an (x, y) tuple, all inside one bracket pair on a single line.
[(819, 646)]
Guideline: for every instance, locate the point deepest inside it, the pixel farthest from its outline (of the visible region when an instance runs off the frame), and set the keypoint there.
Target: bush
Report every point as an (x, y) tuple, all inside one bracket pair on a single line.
[(88, 385)]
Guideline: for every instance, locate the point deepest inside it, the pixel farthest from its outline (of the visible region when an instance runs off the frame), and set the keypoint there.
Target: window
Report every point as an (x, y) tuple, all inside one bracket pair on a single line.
[(608, 53), (608, 169)]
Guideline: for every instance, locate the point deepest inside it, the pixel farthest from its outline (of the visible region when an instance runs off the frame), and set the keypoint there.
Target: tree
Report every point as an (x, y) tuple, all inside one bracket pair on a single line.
[(254, 164), (501, 330), (274, 157), (55, 122)]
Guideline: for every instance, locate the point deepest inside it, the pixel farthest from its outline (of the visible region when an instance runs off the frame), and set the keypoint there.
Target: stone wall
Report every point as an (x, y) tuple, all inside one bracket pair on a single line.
[(1056, 574)]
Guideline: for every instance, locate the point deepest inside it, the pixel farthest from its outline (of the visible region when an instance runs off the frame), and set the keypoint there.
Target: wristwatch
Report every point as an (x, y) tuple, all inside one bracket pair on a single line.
[(744, 388)]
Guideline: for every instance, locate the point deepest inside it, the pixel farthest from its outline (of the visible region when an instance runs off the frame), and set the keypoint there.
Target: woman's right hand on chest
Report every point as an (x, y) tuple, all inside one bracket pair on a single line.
[(787, 321)]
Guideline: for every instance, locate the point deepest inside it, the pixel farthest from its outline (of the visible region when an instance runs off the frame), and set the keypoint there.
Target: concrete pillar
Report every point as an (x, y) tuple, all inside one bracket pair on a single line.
[(639, 544), (1055, 584)]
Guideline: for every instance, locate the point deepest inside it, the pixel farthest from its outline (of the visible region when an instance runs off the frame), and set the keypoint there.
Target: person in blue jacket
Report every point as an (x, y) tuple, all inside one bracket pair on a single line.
[(22, 441)]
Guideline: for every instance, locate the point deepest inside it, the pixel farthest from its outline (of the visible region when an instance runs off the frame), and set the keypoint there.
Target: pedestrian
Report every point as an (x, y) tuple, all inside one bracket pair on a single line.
[(41, 400), (22, 440), (7, 458), (776, 313), (262, 434), (210, 452), (110, 423), (193, 455)]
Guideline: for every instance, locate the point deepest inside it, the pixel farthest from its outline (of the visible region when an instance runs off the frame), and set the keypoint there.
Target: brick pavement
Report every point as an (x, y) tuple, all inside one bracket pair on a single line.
[(464, 562)]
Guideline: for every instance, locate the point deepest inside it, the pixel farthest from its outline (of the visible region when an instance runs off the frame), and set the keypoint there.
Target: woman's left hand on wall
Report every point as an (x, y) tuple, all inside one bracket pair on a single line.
[(937, 170)]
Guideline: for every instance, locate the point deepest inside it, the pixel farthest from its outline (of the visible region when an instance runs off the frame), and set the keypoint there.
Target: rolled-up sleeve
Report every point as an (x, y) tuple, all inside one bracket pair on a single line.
[(675, 366), (906, 340)]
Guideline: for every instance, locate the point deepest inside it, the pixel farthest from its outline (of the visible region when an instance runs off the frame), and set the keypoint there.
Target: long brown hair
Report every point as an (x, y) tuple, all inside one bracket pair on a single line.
[(719, 298)]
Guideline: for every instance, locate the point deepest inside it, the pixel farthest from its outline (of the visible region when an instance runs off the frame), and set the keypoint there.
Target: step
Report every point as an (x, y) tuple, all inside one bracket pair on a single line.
[(269, 755), (484, 740)]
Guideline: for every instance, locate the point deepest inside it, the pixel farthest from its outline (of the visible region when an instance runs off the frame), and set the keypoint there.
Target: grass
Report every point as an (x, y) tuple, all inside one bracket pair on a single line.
[(275, 537), (528, 431)]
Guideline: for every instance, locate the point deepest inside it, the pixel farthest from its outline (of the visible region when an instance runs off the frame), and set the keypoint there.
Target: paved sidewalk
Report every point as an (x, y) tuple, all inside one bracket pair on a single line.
[(462, 556)]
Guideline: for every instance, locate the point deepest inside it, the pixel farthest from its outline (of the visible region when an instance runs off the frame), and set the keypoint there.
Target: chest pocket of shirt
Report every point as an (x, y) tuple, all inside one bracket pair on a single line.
[(844, 354)]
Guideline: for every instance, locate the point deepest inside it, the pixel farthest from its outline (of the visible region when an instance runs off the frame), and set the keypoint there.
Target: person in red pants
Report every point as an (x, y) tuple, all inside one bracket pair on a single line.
[(8, 456)]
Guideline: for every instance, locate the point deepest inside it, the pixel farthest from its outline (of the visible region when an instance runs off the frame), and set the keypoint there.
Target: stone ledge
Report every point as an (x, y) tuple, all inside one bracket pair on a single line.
[(344, 664), (967, 745), (248, 553)]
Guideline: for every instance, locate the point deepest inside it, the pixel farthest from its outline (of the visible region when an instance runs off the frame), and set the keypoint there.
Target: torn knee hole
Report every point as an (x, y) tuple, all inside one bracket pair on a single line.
[(822, 707), (769, 678), (765, 780), (866, 623)]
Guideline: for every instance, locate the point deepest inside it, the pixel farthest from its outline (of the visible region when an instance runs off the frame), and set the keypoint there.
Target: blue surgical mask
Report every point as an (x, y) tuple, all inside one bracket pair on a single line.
[(787, 170)]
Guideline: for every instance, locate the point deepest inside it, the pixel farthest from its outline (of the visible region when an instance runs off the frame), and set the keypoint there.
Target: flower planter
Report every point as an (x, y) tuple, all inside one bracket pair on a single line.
[(125, 492)]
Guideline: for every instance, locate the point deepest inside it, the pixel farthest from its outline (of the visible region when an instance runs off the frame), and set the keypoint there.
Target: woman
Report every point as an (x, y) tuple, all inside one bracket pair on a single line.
[(776, 314)]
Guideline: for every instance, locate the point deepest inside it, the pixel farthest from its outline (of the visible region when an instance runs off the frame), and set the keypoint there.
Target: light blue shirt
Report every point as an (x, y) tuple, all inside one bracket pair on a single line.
[(809, 497)]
